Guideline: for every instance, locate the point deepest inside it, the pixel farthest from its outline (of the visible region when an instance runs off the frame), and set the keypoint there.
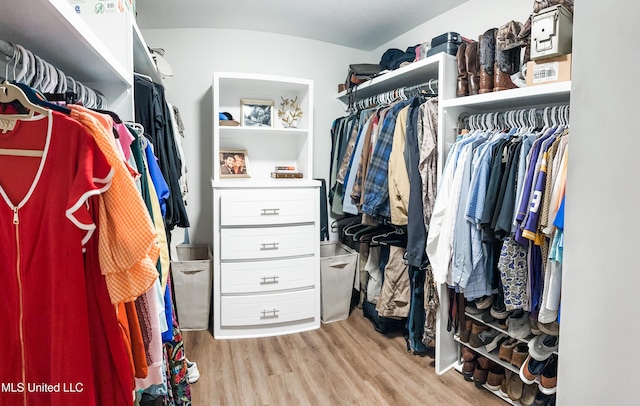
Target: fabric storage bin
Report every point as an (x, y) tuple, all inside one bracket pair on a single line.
[(192, 284), (338, 264)]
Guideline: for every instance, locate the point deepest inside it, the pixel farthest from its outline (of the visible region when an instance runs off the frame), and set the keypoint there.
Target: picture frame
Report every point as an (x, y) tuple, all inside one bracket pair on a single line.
[(234, 163), (256, 113)]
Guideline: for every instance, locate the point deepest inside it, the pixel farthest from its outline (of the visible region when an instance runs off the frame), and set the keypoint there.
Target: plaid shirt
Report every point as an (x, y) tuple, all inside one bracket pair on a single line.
[(376, 185)]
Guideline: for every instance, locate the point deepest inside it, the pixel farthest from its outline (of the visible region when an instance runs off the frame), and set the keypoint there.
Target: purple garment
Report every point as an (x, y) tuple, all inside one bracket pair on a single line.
[(531, 220), (528, 183)]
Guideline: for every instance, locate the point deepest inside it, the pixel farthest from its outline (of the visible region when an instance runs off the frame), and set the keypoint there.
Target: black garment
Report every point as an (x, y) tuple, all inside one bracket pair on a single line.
[(324, 218), (502, 227), (495, 179), (416, 230), (507, 157), (152, 111)]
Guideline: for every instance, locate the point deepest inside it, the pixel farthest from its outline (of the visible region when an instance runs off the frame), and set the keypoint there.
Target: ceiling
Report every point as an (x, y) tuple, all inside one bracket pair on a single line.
[(360, 24)]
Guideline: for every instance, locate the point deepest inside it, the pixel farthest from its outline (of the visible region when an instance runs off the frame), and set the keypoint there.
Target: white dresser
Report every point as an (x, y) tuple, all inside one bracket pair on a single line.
[(266, 242)]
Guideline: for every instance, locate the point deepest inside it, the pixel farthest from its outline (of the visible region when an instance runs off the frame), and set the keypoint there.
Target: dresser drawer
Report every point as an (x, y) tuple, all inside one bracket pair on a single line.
[(267, 276), (267, 309), (267, 242), (268, 206)]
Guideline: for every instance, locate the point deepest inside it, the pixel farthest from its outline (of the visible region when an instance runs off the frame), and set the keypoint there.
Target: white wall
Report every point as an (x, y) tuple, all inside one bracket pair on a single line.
[(600, 330), (195, 54)]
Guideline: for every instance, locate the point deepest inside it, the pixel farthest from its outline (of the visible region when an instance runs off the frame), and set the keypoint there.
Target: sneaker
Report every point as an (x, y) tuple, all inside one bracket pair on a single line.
[(514, 387), (506, 349), (541, 347), (541, 399), (471, 308), (519, 354), (528, 394), (503, 385), (499, 310), (549, 376), (531, 369), (192, 372), (487, 317), (535, 327), (518, 325), (476, 329), (495, 342), (484, 302), (495, 378), (552, 328)]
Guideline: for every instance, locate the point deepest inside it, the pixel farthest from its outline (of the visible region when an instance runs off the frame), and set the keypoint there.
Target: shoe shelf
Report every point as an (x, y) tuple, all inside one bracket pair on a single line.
[(494, 325), (493, 355), (458, 367)]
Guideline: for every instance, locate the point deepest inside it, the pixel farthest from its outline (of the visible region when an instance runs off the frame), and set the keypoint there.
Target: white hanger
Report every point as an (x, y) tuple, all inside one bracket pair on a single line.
[(31, 71), (8, 94)]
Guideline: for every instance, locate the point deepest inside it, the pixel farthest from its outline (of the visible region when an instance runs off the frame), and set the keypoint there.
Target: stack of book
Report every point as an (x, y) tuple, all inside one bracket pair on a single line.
[(286, 172)]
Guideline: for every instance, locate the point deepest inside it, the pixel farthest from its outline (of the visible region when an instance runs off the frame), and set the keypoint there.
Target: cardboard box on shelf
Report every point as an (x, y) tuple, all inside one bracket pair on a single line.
[(103, 6), (549, 70)]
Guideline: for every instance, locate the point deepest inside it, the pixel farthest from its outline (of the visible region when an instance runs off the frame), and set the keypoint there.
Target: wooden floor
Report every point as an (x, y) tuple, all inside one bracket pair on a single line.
[(342, 363)]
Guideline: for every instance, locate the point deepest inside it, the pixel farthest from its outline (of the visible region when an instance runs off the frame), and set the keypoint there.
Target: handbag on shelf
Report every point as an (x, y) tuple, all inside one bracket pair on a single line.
[(361, 72)]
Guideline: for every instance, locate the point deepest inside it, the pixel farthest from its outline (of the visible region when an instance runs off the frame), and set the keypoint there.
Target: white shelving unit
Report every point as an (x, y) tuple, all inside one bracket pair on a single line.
[(534, 96), (447, 347), (100, 51), (266, 243)]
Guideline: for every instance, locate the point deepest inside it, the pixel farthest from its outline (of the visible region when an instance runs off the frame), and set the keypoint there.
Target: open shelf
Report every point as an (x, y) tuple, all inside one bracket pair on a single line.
[(52, 30), (549, 94), (418, 72)]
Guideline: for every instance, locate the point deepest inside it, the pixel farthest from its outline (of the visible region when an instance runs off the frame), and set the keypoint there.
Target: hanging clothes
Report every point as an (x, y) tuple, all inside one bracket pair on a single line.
[(44, 224), (152, 111)]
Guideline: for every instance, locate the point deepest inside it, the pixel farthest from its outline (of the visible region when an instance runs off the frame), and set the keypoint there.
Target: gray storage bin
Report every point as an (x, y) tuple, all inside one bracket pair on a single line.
[(338, 264), (192, 282)]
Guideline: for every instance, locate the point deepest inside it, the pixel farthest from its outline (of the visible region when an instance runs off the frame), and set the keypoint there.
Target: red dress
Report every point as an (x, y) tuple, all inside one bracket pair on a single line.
[(44, 223)]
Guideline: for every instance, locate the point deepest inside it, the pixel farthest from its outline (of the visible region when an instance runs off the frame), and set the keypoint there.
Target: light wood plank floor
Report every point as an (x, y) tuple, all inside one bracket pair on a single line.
[(342, 363)]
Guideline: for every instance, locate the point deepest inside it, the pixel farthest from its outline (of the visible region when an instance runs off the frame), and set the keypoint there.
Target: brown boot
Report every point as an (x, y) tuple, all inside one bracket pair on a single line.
[(507, 63), (466, 332), (487, 54), (463, 81), (473, 67)]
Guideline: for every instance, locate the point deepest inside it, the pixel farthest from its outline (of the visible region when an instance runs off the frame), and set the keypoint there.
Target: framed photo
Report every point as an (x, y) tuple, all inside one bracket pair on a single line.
[(234, 163), (256, 113)]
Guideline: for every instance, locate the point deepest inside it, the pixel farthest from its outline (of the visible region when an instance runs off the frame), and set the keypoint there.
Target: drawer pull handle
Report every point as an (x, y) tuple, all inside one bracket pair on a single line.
[(265, 280), (269, 314), (270, 212), (267, 246)]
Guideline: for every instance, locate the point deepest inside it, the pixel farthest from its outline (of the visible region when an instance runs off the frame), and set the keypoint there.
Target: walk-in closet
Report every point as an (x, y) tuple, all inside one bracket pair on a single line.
[(318, 203)]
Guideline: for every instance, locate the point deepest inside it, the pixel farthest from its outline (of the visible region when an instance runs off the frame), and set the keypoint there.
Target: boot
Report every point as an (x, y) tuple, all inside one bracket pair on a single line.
[(463, 81), (487, 54), (506, 64), (473, 67)]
